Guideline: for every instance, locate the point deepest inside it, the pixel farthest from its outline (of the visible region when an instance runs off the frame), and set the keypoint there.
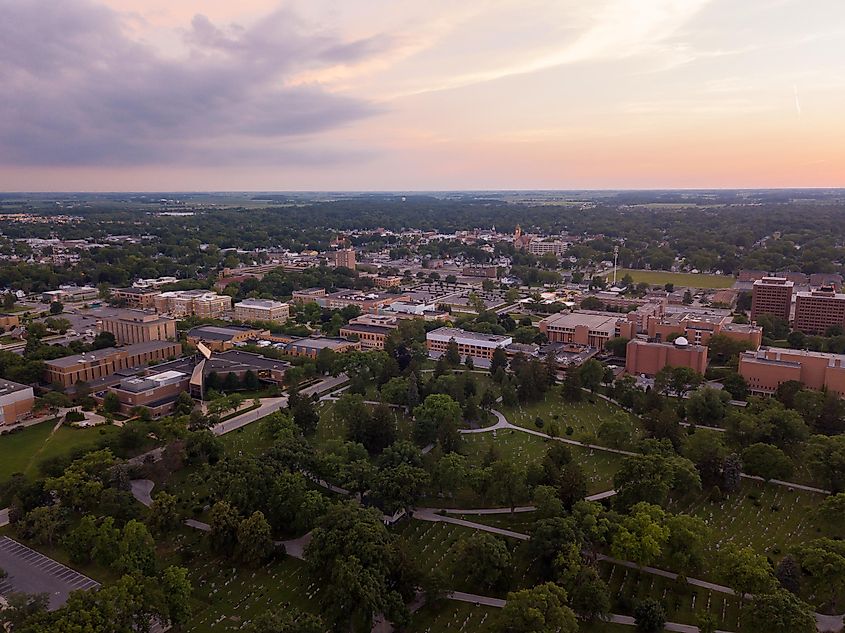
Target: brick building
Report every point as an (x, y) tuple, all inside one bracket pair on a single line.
[(767, 368), (592, 329), (201, 303), (262, 310), (817, 310), (134, 326), (772, 295), (137, 298), (105, 362), (472, 344), (15, 401), (648, 358)]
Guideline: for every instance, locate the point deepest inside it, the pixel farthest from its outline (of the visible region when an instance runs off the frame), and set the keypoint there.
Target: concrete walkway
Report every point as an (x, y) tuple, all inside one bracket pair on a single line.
[(142, 490)]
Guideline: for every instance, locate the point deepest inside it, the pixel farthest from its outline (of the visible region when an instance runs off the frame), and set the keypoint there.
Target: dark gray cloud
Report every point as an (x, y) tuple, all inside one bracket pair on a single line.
[(77, 91)]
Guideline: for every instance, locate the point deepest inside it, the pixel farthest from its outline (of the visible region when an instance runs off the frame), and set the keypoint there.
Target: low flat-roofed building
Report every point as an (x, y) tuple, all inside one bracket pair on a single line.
[(372, 302), (312, 345), (221, 338), (582, 327), (767, 368), (135, 326), (137, 298), (201, 303), (490, 272), (101, 363), (410, 306), (15, 401), (699, 327), (156, 391), (392, 281), (472, 344), (648, 358), (262, 310), (369, 336), (67, 294), (308, 295)]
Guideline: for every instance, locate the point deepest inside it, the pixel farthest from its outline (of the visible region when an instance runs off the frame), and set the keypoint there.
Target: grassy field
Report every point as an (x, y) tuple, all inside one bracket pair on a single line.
[(450, 616), (584, 417), (225, 597), (24, 450), (681, 280), (434, 546), (767, 517), (524, 448), (681, 602)]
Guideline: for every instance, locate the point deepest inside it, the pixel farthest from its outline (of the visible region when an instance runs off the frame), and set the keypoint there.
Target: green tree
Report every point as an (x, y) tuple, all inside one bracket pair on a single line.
[(649, 615), (642, 534), (136, 550), (163, 517), (354, 559), (541, 609), (176, 591), (591, 374), (746, 571), (437, 418), (255, 542), (590, 597), (685, 548), (766, 461), (56, 307), (224, 524), (452, 356), (485, 558), (107, 543), (80, 542), (287, 619), (508, 481), (111, 403), (780, 612), (707, 406)]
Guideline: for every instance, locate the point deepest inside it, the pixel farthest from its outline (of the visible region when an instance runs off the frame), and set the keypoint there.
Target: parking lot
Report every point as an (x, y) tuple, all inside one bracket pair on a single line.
[(32, 572)]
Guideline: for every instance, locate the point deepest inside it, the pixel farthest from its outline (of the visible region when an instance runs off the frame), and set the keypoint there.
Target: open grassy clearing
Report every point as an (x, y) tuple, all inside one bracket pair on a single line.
[(434, 545), (516, 521), (584, 417), (681, 602), (226, 597), (661, 277), (453, 617), (768, 517), (23, 451), (599, 466)]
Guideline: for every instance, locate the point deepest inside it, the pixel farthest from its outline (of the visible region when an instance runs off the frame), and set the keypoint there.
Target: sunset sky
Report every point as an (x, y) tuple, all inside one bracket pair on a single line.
[(426, 94)]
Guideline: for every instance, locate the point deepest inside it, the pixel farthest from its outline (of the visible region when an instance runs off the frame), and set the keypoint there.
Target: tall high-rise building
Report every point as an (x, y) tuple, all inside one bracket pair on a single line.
[(772, 295), (817, 310), (343, 258)]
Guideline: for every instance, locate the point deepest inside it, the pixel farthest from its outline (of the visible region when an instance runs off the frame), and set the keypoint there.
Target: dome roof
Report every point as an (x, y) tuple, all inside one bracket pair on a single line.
[(681, 341)]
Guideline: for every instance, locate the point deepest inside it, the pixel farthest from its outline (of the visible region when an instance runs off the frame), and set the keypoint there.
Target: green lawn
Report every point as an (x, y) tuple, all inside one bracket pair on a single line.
[(225, 596), (681, 602), (599, 466), (772, 523), (434, 546), (452, 617), (24, 450), (661, 277), (584, 417)]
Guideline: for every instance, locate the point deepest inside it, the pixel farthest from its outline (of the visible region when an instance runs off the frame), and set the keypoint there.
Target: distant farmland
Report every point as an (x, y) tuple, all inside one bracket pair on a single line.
[(662, 277)]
